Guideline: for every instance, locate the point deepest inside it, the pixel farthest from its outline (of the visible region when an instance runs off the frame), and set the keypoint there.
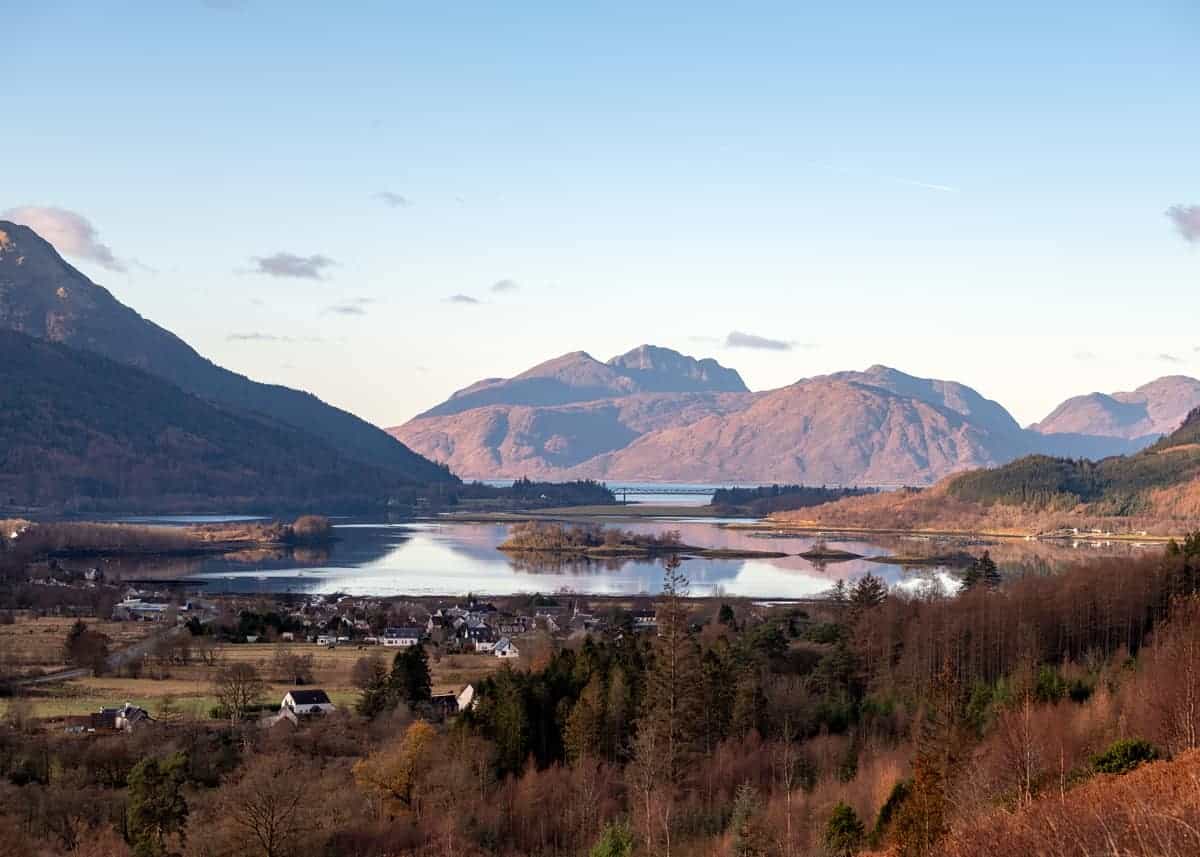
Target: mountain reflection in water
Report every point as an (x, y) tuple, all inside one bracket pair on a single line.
[(452, 558)]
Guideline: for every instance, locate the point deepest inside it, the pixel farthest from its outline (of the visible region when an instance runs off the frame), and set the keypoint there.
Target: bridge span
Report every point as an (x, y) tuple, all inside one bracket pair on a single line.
[(644, 489)]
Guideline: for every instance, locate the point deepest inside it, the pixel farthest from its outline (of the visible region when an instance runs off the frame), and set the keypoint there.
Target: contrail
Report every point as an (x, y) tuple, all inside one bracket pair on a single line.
[(940, 188)]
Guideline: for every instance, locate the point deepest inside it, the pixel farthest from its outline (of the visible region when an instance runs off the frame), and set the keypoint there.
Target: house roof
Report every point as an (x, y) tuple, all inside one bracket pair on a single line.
[(309, 697), (403, 632)]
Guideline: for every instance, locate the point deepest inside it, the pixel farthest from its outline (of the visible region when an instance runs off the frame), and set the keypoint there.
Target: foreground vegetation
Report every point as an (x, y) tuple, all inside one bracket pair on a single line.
[(1055, 714)]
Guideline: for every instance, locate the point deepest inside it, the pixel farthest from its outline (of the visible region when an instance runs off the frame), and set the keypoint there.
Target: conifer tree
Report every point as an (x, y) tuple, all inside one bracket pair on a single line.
[(157, 809), (673, 692)]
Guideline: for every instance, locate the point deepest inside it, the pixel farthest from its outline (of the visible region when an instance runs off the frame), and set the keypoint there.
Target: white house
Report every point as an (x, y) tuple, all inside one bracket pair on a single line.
[(466, 699), (645, 620), (302, 702), (401, 638), (505, 649), (136, 608)]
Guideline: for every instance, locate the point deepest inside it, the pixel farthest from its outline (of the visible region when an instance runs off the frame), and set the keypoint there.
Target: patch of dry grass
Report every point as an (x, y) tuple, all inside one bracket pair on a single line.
[(37, 642), (190, 686)]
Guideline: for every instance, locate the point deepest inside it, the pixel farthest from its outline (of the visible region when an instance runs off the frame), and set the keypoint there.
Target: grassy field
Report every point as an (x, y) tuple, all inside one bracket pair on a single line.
[(38, 642), (190, 690)]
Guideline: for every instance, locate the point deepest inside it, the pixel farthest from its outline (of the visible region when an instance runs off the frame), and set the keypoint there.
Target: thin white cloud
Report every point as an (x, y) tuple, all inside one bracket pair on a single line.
[(462, 299), (71, 233), (504, 286), (290, 265), (259, 336), (354, 306), (395, 200)]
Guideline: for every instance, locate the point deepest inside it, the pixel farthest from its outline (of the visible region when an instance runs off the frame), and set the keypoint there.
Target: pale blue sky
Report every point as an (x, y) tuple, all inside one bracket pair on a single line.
[(959, 192)]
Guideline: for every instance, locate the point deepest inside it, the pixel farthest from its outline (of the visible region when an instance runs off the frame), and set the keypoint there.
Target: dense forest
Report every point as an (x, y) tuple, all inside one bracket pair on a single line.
[(765, 499), (1058, 711), (530, 494)]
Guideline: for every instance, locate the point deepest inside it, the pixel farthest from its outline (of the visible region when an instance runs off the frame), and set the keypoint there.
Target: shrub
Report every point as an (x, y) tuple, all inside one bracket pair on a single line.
[(616, 840), (1123, 756)]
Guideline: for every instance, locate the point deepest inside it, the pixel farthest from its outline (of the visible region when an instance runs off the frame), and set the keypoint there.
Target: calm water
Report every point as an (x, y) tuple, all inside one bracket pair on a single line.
[(451, 558)]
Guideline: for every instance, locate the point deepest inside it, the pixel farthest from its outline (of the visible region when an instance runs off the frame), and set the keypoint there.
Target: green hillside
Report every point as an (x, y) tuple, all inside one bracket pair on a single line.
[(1114, 486)]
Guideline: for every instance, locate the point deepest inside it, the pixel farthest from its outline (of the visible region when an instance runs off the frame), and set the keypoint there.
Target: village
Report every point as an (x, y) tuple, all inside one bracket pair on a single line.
[(150, 653)]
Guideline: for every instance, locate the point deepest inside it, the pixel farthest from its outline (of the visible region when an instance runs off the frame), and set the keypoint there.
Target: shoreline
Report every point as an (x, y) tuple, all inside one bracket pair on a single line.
[(816, 529)]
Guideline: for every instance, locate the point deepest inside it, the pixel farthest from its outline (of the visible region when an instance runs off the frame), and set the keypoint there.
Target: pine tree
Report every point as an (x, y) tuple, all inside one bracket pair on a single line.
[(583, 736), (616, 840), (157, 808), (982, 571), (921, 820), (673, 692), (844, 832), (411, 677), (749, 839), (868, 592)]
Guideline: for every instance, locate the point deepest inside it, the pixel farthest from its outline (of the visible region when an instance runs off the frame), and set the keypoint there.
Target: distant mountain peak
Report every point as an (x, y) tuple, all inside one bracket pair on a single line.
[(664, 370), (950, 395), (579, 377), (1153, 409)]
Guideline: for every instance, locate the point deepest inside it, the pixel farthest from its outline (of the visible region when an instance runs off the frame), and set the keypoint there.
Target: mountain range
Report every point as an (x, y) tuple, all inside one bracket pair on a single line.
[(225, 417), (657, 415), (94, 430)]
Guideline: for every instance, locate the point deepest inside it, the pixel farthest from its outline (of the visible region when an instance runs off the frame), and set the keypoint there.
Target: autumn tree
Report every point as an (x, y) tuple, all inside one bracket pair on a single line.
[(237, 686), (272, 806), (367, 671), (393, 775)]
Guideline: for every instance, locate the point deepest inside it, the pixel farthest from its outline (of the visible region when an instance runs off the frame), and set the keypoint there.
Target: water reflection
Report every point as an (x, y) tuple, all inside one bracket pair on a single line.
[(443, 557)]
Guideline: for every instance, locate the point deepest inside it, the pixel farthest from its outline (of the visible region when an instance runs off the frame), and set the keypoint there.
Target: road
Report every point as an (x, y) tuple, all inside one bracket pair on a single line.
[(115, 661)]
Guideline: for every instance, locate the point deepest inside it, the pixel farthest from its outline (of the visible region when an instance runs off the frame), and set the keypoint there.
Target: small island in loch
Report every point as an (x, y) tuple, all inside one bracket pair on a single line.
[(597, 542)]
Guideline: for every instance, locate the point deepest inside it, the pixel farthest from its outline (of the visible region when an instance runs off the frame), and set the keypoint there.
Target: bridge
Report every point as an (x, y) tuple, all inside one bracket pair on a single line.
[(624, 492)]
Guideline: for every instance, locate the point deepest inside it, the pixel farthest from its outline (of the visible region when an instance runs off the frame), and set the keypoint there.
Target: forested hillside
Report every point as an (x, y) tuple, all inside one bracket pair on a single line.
[(82, 432), (1113, 486)]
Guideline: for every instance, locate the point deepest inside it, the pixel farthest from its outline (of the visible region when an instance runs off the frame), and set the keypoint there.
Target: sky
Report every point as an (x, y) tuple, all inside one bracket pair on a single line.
[(385, 202)]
